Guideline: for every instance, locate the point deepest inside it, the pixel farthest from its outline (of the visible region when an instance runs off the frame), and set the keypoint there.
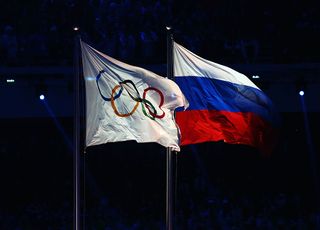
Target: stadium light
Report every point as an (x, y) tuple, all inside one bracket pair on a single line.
[(10, 80)]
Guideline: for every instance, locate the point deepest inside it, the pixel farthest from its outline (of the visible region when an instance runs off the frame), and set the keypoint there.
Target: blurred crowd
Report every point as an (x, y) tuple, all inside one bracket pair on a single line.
[(280, 212), (42, 31), (218, 187)]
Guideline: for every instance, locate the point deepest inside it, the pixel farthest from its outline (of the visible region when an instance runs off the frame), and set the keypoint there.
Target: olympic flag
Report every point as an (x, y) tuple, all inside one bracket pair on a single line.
[(224, 104), (125, 102)]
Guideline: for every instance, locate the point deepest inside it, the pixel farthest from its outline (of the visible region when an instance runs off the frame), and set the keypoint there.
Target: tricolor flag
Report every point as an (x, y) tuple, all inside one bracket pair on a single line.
[(224, 104), (125, 102)]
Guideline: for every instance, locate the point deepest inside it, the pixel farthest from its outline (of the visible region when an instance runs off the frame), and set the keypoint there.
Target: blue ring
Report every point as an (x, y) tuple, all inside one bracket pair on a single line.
[(103, 97)]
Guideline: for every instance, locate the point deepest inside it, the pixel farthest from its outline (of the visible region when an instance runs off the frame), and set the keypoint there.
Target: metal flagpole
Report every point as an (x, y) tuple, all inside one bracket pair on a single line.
[(169, 162), (76, 130)]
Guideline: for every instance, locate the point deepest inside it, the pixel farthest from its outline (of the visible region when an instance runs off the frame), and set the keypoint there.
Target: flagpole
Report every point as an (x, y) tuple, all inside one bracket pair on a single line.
[(169, 163), (76, 130)]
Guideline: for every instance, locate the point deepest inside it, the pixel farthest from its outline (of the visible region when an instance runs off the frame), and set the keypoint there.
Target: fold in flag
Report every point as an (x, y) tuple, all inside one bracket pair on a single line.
[(224, 104), (125, 102)]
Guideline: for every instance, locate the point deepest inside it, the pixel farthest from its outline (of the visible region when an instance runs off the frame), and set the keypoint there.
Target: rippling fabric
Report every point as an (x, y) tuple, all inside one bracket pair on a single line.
[(223, 104), (125, 102)]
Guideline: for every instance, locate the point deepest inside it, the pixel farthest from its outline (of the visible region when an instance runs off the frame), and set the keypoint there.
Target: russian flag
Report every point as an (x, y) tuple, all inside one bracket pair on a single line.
[(224, 105)]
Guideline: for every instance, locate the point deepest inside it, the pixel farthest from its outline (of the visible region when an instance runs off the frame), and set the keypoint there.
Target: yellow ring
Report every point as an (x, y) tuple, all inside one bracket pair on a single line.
[(115, 108)]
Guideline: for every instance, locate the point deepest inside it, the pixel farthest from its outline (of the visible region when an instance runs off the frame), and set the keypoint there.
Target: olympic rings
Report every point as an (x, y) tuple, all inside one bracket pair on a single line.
[(133, 93)]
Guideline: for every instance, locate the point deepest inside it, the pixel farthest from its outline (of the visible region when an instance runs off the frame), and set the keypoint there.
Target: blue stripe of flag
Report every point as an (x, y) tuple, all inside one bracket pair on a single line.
[(212, 94)]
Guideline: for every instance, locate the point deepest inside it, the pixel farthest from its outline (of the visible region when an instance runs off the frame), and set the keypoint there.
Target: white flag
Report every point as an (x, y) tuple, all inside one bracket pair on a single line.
[(125, 102)]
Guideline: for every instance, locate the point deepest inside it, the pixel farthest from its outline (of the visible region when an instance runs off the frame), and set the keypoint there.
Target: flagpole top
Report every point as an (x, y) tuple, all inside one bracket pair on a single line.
[(169, 32)]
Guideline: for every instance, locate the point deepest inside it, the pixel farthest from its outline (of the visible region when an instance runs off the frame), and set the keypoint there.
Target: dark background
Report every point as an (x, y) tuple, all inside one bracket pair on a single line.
[(218, 186)]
